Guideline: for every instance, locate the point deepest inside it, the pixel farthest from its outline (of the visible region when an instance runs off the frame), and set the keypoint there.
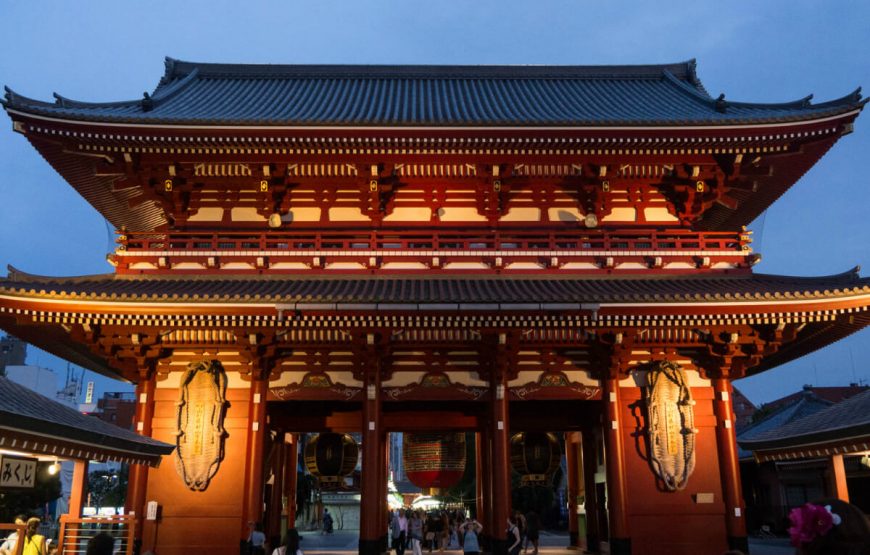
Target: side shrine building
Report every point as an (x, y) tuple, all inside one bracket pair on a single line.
[(487, 249)]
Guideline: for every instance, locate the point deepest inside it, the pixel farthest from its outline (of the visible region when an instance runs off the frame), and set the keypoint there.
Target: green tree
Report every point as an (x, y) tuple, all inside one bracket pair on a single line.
[(108, 489)]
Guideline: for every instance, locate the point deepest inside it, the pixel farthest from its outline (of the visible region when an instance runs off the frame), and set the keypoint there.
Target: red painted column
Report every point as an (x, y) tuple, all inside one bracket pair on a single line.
[(837, 476), (79, 490), (729, 465), (138, 478), (277, 493), (370, 532), (291, 477), (571, 456), (383, 480), (479, 469), (617, 508), (253, 508), (590, 466), (500, 463)]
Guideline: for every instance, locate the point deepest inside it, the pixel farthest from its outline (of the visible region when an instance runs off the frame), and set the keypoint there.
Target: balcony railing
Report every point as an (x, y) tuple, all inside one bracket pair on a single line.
[(376, 251)]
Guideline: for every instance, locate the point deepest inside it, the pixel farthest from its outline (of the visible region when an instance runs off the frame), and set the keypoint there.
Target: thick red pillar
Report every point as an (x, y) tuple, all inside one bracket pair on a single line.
[(837, 477), (79, 490), (291, 446), (590, 466), (729, 465), (500, 463), (277, 493), (253, 508), (138, 479), (370, 532), (479, 469), (571, 456), (383, 479), (617, 509)]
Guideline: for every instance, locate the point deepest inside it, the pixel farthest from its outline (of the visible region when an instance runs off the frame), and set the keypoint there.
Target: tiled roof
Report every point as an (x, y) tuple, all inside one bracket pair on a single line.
[(831, 394), (26, 411), (798, 408), (704, 288), (845, 420), (449, 96)]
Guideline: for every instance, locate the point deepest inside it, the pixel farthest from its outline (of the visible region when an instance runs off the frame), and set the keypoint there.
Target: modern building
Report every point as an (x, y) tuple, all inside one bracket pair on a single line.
[(487, 249)]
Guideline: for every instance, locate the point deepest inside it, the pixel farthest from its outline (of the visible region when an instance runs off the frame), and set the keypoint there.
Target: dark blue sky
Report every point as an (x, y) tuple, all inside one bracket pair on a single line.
[(753, 51)]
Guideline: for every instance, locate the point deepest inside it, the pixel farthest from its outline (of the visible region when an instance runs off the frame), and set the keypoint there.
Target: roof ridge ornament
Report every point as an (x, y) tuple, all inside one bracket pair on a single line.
[(721, 104), (147, 102)]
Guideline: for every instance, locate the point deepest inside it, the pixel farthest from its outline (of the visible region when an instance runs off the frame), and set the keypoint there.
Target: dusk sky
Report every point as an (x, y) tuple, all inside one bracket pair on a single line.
[(751, 51)]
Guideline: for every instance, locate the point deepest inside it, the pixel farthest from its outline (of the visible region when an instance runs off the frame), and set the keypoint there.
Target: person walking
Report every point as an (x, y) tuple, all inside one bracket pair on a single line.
[(415, 532), (533, 529), (34, 544), (256, 539), (291, 544), (469, 533), (399, 532), (513, 537)]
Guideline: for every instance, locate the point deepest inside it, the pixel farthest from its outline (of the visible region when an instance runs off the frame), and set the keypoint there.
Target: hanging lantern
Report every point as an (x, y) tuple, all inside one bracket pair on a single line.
[(671, 425), (434, 460), (535, 456), (331, 457)]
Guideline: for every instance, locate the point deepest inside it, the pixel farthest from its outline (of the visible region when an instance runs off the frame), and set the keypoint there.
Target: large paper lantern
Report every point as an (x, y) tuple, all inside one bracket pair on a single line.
[(331, 457), (434, 460), (535, 456)]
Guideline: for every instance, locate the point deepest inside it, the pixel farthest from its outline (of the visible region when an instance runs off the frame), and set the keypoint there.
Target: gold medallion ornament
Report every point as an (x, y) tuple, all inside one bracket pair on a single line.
[(671, 425), (200, 433)]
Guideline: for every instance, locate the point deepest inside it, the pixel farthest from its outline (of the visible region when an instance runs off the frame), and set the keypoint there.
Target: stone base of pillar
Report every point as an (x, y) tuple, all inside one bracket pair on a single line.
[(498, 547), (573, 540), (370, 547), (740, 543), (592, 544), (620, 546)]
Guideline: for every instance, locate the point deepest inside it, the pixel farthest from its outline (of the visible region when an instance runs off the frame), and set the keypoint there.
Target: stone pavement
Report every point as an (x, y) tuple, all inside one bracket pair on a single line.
[(343, 542)]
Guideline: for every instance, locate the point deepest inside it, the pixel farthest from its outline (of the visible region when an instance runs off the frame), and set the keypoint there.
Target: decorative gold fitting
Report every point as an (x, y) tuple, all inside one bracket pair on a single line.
[(167, 185), (496, 185), (699, 186), (373, 186), (264, 186), (605, 186)]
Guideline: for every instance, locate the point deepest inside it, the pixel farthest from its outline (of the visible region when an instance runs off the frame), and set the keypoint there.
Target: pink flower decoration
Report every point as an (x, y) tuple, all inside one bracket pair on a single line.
[(808, 523)]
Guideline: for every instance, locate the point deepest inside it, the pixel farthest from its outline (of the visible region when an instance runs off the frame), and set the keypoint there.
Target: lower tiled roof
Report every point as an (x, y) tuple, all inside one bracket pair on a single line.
[(845, 420), (25, 411), (699, 288)]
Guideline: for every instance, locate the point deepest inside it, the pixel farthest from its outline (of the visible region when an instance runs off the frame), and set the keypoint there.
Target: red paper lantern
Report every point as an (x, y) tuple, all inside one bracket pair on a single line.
[(535, 456), (434, 460)]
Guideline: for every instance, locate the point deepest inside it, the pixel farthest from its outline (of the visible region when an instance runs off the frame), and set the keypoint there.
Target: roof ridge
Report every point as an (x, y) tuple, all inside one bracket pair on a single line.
[(179, 68)]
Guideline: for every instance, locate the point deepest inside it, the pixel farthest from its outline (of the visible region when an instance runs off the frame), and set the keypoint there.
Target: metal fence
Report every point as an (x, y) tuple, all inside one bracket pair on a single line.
[(76, 532)]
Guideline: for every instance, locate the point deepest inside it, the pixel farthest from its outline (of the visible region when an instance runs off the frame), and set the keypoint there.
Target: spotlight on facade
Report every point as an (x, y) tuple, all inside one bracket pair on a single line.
[(591, 220), (54, 468)]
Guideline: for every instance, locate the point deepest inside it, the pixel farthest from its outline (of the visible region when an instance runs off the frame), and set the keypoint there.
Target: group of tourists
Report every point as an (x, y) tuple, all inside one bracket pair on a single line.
[(437, 531), (36, 544)]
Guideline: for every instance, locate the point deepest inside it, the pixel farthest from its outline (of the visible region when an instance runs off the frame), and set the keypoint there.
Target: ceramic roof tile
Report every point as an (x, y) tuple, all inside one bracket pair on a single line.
[(34, 413), (323, 95), (454, 289)]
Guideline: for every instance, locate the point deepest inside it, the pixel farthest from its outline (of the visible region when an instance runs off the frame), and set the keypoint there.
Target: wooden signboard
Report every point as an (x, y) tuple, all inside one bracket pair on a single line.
[(17, 472)]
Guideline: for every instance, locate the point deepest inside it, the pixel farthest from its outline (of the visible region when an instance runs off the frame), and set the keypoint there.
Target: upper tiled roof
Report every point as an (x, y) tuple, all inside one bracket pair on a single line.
[(448, 96), (26, 411), (844, 420), (691, 288)]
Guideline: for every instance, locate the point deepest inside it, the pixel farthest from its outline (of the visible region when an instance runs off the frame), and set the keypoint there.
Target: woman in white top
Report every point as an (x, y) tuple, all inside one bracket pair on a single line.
[(291, 544)]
